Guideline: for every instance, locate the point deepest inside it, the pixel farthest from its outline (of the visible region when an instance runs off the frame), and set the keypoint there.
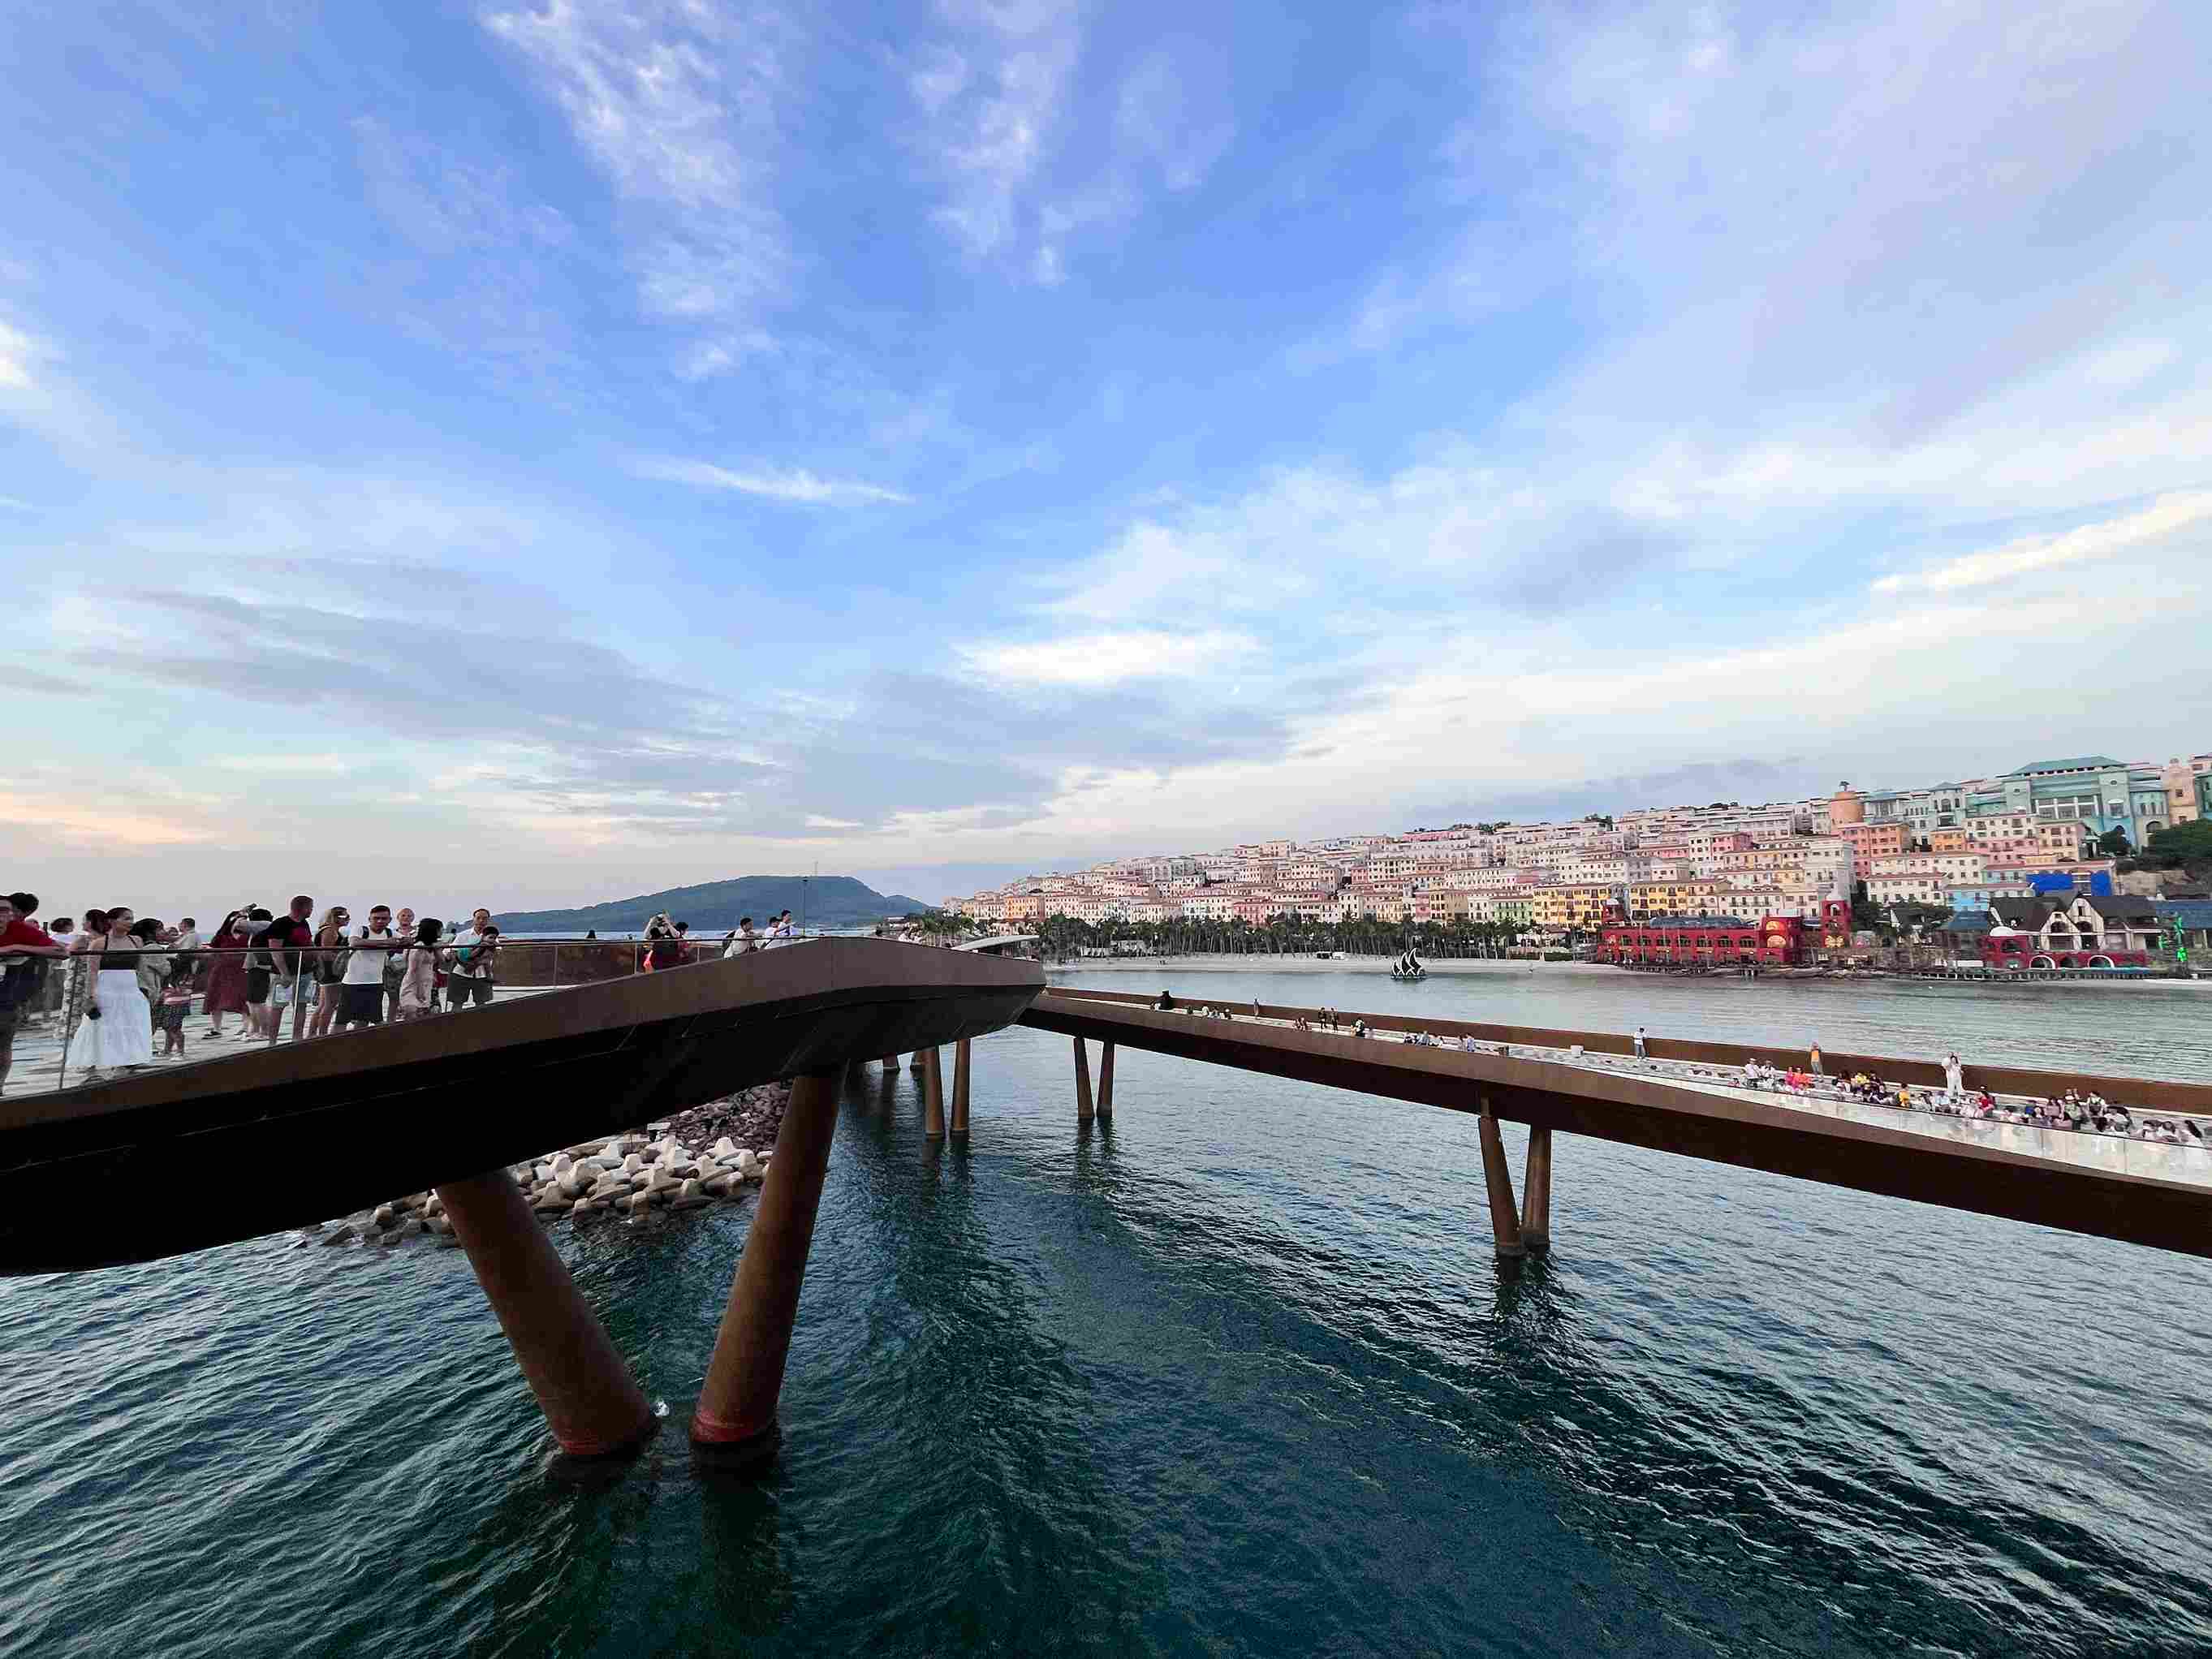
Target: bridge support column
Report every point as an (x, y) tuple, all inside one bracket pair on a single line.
[(933, 1095), (1504, 1219), (960, 1087), (1105, 1079), (736, 1414), (1084, 1109), (890, 1062), (1537, 1192), (591, 1402)]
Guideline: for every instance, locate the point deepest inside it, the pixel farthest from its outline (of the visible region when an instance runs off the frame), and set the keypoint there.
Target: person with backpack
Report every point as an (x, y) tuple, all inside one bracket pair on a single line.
[(374, 953)]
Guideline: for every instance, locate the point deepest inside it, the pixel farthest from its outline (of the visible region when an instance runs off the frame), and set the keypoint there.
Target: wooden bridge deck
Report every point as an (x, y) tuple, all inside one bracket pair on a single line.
[(1639, 1110)]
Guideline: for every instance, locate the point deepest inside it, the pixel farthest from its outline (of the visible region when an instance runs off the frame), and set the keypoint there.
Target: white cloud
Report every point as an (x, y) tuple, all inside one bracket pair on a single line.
[(1093, 660), (816, 821), (1176, 121), (280, 762), (677, 101), (2162, 518), (17, 350), (787, 484), (992, 110)]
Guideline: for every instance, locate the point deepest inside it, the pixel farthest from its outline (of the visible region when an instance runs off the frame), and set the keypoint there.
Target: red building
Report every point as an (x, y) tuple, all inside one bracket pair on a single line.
[(1687, 941)]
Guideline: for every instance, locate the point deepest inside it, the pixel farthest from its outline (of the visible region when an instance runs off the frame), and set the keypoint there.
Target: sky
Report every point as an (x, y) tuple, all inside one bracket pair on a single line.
[(540, 451)]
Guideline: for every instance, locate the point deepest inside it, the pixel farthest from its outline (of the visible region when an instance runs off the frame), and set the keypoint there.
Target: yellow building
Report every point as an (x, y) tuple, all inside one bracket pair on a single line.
[(1646, 899), (1570, 909)]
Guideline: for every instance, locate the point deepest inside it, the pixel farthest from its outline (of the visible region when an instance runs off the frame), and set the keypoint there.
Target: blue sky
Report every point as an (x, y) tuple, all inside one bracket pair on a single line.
[(545, 452)]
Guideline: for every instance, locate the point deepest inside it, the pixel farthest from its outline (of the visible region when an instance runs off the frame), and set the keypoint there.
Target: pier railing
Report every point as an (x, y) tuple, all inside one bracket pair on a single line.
[(301, 1003)]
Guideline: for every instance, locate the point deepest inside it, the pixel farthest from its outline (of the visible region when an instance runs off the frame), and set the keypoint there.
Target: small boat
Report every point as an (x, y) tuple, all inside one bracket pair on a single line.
[(1408, 967)]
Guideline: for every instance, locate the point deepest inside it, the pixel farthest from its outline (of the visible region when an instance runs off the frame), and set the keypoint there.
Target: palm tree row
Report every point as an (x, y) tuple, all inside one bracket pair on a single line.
[(1064, 937)]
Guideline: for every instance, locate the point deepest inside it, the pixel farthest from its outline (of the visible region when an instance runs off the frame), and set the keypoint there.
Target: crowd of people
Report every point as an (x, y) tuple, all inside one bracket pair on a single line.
[(114, 983), (2086, 1112), (113, 980)]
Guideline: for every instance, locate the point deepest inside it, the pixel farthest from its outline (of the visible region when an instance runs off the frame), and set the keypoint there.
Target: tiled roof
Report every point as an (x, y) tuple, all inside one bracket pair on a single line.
[(2073, 763)]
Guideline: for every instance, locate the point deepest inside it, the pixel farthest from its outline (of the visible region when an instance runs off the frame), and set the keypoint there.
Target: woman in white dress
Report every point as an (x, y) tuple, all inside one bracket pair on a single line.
[(116, 1029)]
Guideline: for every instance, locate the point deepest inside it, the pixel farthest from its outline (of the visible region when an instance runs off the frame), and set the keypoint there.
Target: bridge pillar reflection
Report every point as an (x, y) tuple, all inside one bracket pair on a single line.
[(590, 1401), (736, 1414), (932, 1093), (1504, 1218), (1537, 1192), (1084, 1109), (1105, 1079), (960, 1087)]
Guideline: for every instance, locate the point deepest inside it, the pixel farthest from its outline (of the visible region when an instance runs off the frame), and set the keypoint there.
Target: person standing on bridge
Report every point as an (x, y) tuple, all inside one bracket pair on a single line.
[(1954, 1075), (468, 976), (1817, 1070), (1640, 1054)]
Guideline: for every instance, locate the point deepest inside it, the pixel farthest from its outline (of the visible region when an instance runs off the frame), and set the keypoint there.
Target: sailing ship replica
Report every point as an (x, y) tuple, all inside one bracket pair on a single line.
[(1408, 967)]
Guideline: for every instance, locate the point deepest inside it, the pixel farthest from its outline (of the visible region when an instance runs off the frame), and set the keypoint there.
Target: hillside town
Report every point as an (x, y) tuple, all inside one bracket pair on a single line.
[(2022, 869)]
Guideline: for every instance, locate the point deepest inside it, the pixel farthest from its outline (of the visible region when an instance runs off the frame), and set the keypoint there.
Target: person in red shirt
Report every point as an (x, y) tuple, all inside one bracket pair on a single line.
[(24, 946)]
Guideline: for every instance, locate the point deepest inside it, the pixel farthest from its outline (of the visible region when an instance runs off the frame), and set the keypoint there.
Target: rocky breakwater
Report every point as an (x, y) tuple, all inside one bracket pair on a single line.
[(635, 1178)]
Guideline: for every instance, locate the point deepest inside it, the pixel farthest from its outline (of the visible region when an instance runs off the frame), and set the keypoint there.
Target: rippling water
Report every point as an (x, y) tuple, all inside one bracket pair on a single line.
[(1236, 1374)]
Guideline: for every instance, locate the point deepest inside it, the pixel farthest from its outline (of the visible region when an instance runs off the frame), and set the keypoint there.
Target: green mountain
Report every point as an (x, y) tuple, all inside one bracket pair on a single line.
[(716, 907)]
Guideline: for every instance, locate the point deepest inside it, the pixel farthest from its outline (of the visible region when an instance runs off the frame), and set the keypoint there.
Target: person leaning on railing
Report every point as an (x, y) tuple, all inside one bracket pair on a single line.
[(418, 978), (469, 963), (28, 957)]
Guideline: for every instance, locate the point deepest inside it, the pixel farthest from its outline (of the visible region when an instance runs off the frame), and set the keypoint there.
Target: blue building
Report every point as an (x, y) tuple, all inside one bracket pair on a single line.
[(2095, 790)]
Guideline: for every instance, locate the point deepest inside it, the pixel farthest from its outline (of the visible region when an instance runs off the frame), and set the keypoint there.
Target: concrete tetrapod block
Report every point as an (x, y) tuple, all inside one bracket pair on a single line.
[(734, 1422)]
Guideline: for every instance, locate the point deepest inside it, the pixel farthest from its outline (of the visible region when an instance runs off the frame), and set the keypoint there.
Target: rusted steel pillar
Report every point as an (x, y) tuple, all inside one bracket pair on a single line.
[(1083, 1110), (890, 1062), (1537, 1192), (592, 1403), (736, 1412), (1106, 1079), (1504, 1221), (960, 1087), (933, 1095)]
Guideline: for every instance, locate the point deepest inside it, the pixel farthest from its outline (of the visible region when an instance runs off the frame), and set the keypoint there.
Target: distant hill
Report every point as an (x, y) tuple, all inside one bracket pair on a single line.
[(716, 907)]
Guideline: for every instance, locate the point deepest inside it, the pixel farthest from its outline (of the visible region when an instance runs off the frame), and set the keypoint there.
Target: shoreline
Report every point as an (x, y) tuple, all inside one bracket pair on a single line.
[(1226, 964), (1472, 967)]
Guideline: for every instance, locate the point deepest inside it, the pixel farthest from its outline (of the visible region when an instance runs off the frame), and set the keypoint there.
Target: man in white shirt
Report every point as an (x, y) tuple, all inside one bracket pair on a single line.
[(468, 977), (360, 995)]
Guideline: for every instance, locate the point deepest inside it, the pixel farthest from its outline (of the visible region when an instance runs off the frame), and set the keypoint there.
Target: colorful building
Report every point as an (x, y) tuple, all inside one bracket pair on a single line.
[(1696, 941), (2075, 931)]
